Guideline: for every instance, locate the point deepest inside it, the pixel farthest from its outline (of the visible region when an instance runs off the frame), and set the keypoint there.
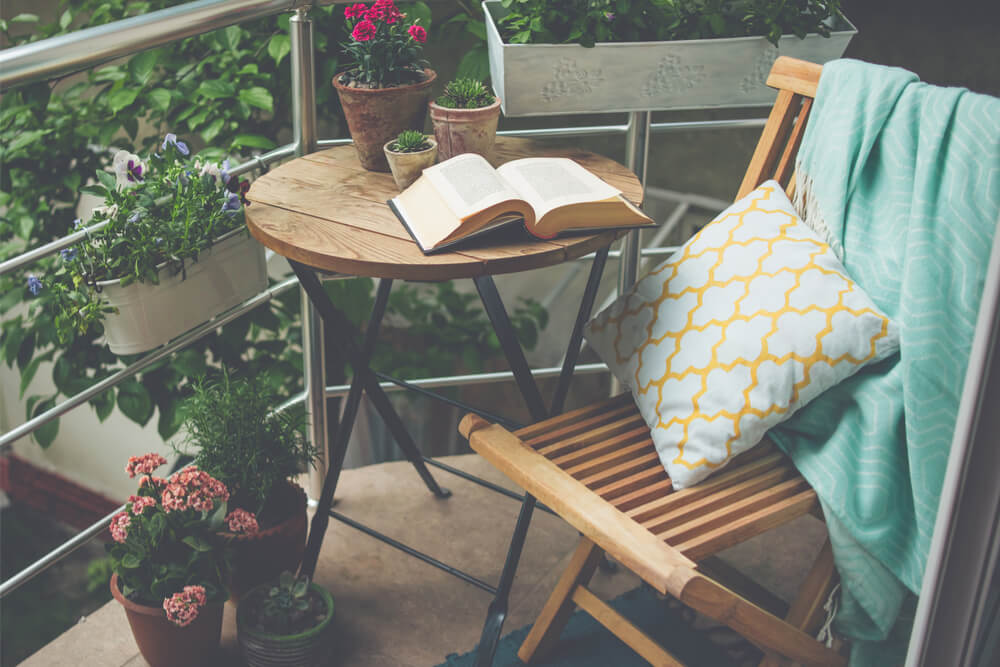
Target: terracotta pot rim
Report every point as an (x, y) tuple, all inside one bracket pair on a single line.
[(463, 114), (311, 632), (282, 526), (430, 138), (429, 77)]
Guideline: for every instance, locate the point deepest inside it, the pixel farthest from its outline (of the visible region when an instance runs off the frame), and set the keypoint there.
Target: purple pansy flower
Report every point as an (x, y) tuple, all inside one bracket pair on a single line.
[(34, 285), (232, 202), (171, 140), (68, 254)]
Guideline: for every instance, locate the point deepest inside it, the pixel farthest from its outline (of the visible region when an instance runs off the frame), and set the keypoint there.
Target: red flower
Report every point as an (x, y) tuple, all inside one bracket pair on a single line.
[(355, 10), (417, 33), (363, 31), (375, 14)]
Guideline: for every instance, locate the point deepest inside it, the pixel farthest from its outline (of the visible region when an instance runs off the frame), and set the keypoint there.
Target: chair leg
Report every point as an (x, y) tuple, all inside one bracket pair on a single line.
[(557, 610)]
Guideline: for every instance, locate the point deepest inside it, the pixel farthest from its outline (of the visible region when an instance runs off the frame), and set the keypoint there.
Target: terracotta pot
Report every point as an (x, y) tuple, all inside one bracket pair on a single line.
[(465, 130), (407, 167), (309, 648), (266, 554), (376, 115), (164, 644)]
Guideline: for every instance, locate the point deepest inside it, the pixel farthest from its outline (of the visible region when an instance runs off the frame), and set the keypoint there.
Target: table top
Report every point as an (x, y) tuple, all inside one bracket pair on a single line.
[(326, 211)]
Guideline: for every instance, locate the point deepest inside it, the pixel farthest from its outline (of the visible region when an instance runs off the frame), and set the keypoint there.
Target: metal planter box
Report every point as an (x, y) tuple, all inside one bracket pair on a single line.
[(548, 79)]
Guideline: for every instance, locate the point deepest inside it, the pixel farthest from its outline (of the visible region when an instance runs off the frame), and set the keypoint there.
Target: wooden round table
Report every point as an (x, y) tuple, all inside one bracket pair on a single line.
[(326, 211)]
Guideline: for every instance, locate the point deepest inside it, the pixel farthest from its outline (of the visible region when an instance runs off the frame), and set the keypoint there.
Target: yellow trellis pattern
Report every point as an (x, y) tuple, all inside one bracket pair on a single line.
[(751, 319)]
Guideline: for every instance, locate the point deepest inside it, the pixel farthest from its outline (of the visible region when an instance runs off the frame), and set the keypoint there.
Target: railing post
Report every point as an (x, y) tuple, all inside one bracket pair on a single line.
[(304, 139)]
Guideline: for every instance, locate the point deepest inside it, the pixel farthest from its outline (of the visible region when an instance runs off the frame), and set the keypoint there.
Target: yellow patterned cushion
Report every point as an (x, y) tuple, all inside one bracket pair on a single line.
[(749, 321)]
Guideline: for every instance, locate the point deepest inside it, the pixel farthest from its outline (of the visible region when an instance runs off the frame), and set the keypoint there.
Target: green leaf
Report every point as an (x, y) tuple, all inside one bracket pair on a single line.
[(107, 179), (131, 561), (65, 19), (47, 433), (141, 66), (28, 374), (25, 18), (258, 97), (253, 141), (213, 129), (197, 543), (159, 99), (419, 10), (170, 419), (135, 402), (278, 47), (230, 37), (475, 64), (25, 138), (121, 98), (214, 89), (104, 404)]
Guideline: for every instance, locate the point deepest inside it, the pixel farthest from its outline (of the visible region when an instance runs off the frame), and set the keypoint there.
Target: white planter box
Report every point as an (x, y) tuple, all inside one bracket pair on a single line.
[(547, 79), (228, 273)]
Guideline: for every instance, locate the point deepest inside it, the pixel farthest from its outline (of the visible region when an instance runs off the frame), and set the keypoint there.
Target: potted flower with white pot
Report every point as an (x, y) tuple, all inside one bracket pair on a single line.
[(285, 622), (170, 561), (409, 154), (173, 252), (234, 434), (385, 90), (465, 119), (587, 56)]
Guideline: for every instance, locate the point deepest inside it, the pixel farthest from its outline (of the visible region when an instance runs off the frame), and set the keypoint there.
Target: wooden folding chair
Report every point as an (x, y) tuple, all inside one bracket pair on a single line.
[(597, 468)]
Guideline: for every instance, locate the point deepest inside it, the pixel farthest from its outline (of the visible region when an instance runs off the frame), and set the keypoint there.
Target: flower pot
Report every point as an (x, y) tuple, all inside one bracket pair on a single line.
[(267, 553), (407, 167), (465, 130), (547, 79), (148, 315), (376, 115), (164, 644), (304, 649)]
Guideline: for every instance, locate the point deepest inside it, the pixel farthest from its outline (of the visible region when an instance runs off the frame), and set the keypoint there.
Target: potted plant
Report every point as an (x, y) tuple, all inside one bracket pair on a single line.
[(234, 434), (173, 252), (582, 56), (409, 154), (386, 89), (465, 119), (285, 623), (169, 558)]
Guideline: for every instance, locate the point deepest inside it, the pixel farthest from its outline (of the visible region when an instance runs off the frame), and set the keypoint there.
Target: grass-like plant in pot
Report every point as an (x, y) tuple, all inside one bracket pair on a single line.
[(465, 119), (285, 622), (385, 90), (409, 154), (234, 433)]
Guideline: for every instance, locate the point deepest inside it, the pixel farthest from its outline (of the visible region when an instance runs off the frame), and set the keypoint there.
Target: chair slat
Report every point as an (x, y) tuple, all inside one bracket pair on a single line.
[(535, 430), (772, 139), (622, 425), (637, 435), (632, 483), (582, 425), (783, 172), (621, 471), (619, 456)]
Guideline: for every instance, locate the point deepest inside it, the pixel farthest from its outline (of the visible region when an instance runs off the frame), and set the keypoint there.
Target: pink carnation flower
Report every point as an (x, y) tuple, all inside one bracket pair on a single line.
[(355, 10), (182, 608), (364, 30), (242, 521), (119, 526), (417, 33), (143, 465)]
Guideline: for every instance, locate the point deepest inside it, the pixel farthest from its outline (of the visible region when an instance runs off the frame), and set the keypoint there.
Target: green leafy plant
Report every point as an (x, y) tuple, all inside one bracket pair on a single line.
[(410, 141), (236, 436), (289, 606), (465, 93), (385, 47), (587, 22)]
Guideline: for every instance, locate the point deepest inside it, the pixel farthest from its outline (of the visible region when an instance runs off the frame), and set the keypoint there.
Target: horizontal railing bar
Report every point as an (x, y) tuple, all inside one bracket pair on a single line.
[(8, 438), (88, 47), (701, 201), (51, 248)]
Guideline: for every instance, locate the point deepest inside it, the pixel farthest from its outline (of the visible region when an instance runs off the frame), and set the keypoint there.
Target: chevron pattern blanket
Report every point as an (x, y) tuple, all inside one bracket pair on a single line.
[(903, 179)]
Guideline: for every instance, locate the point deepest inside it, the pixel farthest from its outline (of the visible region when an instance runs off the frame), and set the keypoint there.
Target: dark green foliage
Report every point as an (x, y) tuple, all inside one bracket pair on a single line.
[(410, 141), (465, 93), (587, 22), (236, 437), (289, 606)]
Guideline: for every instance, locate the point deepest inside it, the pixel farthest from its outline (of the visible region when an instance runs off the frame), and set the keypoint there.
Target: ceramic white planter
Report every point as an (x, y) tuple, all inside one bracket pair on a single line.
[(546, 79), (148, 315)]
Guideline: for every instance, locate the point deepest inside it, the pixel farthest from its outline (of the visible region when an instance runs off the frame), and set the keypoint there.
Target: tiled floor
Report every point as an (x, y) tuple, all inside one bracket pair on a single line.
[(392, 610)]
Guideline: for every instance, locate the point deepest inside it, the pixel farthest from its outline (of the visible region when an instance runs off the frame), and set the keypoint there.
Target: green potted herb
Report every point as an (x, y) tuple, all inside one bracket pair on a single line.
[(234, 433), (285, 623), (409, 154), (465, 119)]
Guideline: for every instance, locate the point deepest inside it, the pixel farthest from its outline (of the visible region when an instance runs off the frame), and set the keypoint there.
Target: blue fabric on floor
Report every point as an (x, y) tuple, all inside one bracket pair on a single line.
[(586, 643)]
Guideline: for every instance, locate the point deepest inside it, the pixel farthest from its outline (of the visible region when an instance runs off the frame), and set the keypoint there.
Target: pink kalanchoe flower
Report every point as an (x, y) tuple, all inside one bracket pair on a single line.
[(157, 482), (119, 526), (143, 465), (417, 33), (182, 608), (194, 489), (363, 31), (355, 10), (139, 503), (242, 521)]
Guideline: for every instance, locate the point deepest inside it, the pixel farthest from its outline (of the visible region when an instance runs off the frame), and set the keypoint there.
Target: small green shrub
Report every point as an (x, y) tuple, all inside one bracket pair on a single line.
[(410, 141), (465, 94)]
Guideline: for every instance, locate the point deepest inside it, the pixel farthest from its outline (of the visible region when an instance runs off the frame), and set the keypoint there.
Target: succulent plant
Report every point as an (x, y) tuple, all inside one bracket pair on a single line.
[(465, 94), (287, 603), (410, 141)]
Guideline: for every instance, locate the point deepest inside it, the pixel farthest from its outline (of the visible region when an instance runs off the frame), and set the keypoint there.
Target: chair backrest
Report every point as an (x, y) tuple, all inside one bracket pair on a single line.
[(774, 157)]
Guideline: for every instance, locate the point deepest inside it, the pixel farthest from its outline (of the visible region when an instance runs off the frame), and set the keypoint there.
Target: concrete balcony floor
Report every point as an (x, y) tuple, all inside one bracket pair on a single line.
[(393, 610)]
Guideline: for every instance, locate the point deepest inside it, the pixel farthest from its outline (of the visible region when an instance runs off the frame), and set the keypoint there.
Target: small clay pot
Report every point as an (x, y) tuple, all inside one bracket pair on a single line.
[(164, 644), (376, 115), (465, 130), (309, 648), (267, 553), (407, 167)]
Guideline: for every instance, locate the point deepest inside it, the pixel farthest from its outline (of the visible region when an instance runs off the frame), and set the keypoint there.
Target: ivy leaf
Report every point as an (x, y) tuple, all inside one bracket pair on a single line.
[(279, 47), (141, 66), (258, 97), (253, 141), (135, 402), (159, 98), (121, 98)]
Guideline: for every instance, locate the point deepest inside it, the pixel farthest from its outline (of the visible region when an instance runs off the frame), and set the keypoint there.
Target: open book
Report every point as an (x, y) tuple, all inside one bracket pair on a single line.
[(466, 196)]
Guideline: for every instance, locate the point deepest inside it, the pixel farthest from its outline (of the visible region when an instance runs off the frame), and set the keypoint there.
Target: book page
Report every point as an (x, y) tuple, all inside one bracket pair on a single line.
[(548, 183), (468, 184)]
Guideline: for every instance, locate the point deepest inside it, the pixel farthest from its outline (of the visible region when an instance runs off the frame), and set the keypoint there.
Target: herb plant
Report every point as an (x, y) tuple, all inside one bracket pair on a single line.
[(236, 436), (465, 93), (385, 47), (410, 141)]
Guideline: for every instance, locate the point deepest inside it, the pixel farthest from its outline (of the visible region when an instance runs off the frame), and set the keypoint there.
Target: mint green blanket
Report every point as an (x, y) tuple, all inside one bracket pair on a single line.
[(903, 179)]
